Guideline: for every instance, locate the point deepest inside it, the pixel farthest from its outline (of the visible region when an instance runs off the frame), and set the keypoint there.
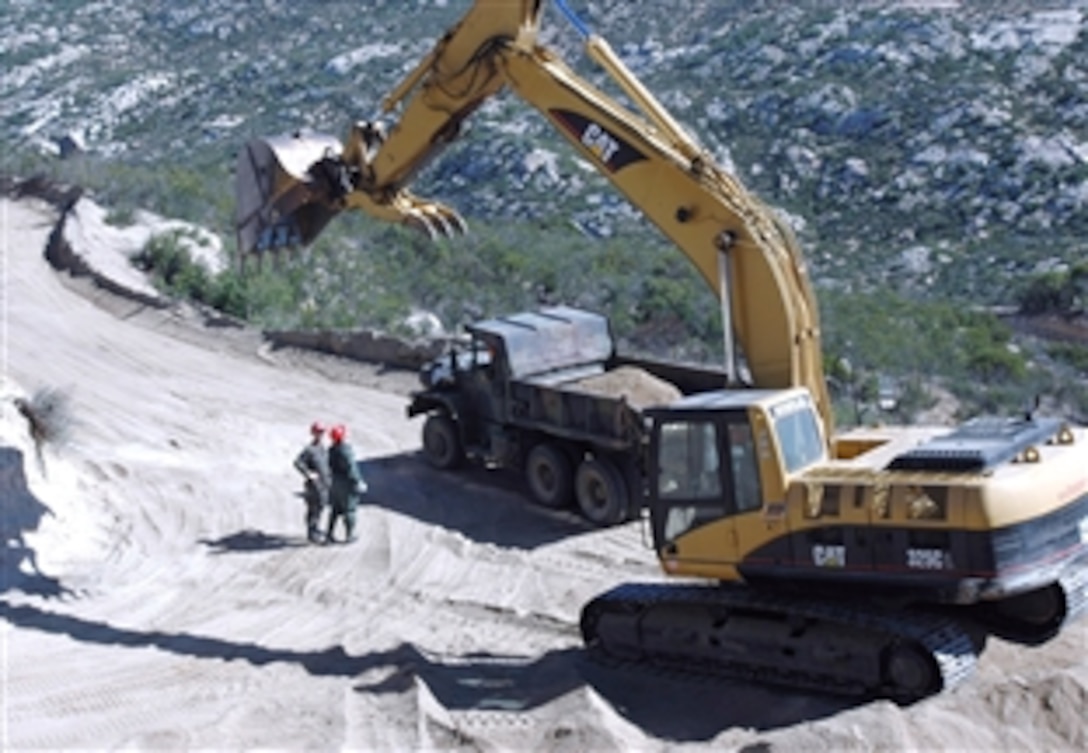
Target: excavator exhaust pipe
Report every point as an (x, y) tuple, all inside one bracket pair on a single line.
[(281, 195)]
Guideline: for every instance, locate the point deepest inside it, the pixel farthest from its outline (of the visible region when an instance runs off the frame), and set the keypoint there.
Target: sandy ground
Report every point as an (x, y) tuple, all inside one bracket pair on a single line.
[(157, 592)]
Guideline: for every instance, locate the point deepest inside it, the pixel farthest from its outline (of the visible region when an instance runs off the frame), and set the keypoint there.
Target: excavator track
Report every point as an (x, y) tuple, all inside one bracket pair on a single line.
[(740, 633), (1075, 586), (1035, 617)]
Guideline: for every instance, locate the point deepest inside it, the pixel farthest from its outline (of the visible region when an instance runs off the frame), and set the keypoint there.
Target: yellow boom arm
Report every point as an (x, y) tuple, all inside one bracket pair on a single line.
[(740, 247)]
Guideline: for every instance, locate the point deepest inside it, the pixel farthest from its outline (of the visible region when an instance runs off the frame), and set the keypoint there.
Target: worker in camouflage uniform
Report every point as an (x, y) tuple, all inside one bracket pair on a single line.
[(313, 464), (347, 484)]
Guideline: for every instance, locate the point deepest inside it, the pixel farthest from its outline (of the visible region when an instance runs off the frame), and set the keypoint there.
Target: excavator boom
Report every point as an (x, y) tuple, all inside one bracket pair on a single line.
[(741, 248)]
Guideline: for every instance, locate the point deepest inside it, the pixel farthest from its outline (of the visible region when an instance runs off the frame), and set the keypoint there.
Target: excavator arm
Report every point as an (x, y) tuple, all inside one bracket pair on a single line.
[(289, 187), (741, 247)]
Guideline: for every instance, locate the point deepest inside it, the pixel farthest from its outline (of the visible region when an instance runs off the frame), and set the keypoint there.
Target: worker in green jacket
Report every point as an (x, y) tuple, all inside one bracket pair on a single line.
[(347, 484), (313, 464)]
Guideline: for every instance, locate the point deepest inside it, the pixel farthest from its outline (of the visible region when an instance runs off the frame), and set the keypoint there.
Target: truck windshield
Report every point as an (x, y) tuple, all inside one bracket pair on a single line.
[(798, 433)]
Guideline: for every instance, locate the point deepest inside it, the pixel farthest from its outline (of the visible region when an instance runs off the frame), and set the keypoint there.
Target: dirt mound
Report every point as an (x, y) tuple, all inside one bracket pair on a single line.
[(638, 387)]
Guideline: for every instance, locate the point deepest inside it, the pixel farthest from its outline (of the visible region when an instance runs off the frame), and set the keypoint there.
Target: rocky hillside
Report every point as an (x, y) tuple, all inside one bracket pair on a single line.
[(938, 146)]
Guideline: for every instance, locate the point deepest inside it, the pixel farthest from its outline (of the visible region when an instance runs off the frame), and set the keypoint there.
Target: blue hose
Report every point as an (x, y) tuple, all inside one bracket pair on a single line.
[(573, 18)]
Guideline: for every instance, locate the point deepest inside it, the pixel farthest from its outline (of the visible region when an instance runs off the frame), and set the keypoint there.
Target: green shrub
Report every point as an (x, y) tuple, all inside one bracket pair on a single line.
[(1049, 293), (1070, 353), (229, 295), (890, 334), (993, 364), (173, 270), (121, 217), (1062, 293)]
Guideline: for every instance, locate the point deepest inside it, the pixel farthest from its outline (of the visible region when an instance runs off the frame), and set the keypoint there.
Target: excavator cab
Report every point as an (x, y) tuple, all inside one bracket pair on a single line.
[(717, 457)]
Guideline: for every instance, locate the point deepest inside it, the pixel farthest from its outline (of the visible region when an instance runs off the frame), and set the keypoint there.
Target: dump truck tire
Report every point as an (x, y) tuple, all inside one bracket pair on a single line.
[(550, 476), (601, 492), (442, 442)]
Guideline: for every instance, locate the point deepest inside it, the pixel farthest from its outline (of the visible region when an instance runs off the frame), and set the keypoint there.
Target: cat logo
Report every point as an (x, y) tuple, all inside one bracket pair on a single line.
[(604, 145), (600, 142), (829, 555)]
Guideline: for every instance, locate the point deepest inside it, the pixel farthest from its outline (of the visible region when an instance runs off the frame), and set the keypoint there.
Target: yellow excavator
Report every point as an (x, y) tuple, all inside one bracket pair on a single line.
[(858, 562)]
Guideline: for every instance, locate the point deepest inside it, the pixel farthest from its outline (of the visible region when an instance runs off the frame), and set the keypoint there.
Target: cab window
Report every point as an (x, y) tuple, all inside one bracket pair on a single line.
[(747, 491), (689, 480), (798, 434), (689, 461), (693, 487)]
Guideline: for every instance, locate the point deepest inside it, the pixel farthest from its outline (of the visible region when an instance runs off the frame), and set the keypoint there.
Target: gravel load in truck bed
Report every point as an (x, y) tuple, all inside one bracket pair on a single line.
[(640, 388)]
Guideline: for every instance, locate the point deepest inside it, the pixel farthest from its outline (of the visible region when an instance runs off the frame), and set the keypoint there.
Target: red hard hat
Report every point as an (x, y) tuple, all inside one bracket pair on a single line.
[(337, 433), (317, 428)]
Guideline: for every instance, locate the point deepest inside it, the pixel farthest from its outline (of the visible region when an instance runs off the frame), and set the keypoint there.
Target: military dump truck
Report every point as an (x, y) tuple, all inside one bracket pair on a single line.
[(547, 393)]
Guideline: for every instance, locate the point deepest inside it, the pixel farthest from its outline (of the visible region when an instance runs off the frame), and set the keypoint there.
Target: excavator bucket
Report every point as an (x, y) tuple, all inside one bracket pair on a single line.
[(281, 200), (288, 187)]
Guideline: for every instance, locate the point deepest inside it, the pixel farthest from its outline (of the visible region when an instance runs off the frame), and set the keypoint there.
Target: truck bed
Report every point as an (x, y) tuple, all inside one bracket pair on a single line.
[(593, 402)]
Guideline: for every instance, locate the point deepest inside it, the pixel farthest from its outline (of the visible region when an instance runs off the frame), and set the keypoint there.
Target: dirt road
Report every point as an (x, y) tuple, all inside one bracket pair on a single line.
[(158, 592)]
